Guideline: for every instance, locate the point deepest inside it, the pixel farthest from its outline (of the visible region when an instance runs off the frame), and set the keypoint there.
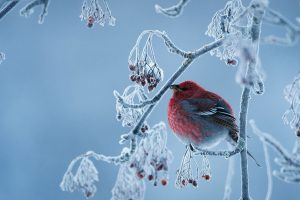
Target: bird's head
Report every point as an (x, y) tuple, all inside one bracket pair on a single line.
[(186, 90)]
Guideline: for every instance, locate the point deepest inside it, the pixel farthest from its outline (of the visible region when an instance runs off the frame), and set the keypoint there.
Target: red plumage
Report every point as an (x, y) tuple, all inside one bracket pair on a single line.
[(200, 117)]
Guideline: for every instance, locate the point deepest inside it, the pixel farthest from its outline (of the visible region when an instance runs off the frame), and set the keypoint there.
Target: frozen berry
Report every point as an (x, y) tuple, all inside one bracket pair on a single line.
[(231, 62), (298, 133), (194, 183), (140, 174), (164, 182), (91, 21), (133, 77), (206, 177), (159, 167), (132, 67), (88, 194), (150, 177)]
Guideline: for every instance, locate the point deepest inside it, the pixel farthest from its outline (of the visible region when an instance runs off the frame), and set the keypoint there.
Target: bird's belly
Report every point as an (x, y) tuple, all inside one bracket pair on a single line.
[(202, 133)]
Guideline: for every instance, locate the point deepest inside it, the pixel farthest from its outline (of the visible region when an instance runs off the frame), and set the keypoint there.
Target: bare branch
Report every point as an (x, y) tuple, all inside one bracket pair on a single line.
[(8, 7)]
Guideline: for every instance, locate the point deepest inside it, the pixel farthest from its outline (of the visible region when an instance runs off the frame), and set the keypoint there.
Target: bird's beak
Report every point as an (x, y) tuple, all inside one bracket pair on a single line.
[(174, 87)]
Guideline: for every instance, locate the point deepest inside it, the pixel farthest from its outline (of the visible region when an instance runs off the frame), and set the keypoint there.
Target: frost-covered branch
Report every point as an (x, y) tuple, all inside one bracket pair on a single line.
[(262, 136), (27, 10), (173, 11), (255, 30), (293, 30), (226, 153), (289, 163), (6, 6)]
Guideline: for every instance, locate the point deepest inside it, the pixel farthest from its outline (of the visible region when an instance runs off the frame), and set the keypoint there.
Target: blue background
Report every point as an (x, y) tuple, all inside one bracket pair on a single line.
[(56, 98)]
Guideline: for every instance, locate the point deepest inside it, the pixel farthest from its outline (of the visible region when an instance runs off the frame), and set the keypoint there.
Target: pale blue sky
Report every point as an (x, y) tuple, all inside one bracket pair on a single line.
[(56, 96)]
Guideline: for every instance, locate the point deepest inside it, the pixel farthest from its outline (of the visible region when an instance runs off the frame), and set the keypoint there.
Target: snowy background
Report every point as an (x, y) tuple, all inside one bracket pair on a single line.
[(56, 98)]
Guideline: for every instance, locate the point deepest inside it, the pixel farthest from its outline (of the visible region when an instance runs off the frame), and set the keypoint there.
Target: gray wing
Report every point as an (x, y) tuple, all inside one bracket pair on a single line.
[(216, 111)]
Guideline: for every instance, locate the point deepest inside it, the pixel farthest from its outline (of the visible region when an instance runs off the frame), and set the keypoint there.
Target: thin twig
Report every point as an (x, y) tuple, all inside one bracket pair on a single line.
[(293, 30), (8, 7), (260, 134), (173, 11)]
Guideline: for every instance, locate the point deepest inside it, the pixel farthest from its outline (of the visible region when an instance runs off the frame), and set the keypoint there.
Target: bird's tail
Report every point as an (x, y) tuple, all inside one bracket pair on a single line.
[(234, 139), (251, 156)]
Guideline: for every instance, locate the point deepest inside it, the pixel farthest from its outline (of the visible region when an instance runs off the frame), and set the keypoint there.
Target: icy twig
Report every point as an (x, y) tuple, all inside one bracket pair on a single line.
[(27, 10), (173, 11), (255, 31), (290, 164), (261, 135), (293, 30)]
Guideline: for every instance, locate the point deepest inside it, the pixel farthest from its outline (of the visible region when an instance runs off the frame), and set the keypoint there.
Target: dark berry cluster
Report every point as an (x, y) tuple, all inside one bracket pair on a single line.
[(145, 73), (160, 166)]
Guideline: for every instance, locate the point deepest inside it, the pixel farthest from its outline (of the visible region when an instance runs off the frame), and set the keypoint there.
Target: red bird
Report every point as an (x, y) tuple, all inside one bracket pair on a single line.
[(201, 118)]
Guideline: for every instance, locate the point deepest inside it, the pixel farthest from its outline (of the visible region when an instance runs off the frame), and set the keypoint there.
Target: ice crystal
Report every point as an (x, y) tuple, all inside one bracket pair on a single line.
[(131, 95), (292, 95), (92, 13), (84, 179), (143, 66)]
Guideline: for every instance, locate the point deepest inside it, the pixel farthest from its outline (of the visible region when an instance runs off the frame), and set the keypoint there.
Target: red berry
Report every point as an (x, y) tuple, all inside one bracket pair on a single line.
[(133, 77), (150, 88), (132, 67), (143, 82), (159, 167), (90, 21), (140, 174), (164, 182), (231, 62), (88, 194), (150, 177), (194, 183), (206, 177)]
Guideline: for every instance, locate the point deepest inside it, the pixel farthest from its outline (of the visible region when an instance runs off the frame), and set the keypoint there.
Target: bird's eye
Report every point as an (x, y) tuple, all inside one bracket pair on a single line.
[(184, 89)]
